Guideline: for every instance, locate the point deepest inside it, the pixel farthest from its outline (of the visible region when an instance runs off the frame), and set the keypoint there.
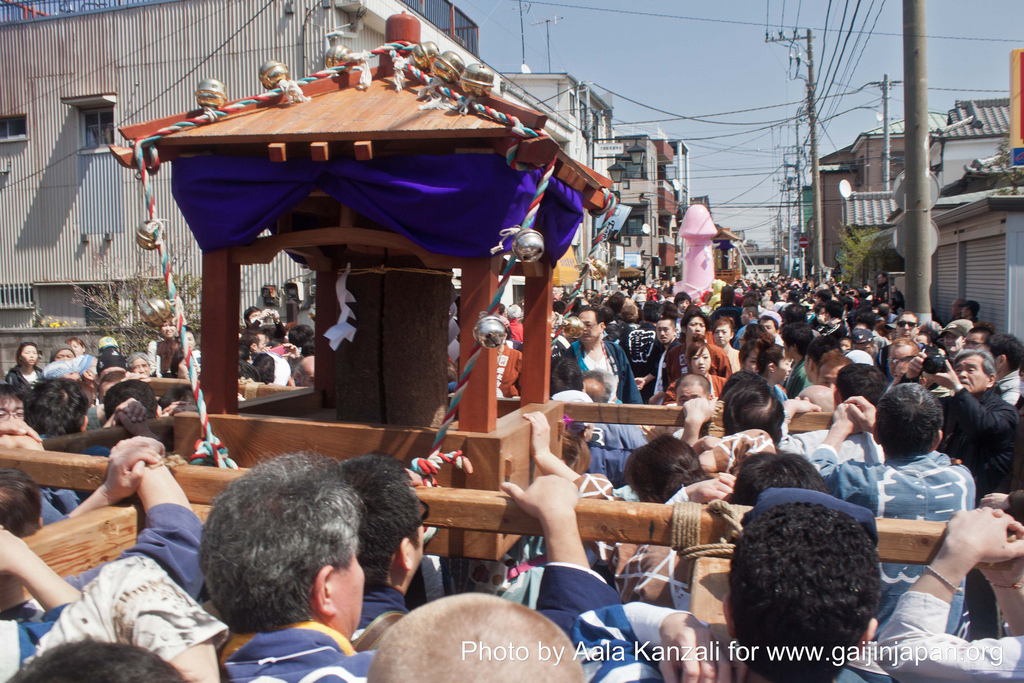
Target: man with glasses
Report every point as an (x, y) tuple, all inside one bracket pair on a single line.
[(593, 352), (907, 327)]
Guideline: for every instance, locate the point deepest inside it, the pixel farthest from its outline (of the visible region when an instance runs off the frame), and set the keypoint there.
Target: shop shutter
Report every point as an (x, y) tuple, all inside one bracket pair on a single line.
[(985, 278), (947, 275)]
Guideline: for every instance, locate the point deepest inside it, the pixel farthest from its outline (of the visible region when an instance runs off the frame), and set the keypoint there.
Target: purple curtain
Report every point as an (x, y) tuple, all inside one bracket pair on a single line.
[(454, 205)]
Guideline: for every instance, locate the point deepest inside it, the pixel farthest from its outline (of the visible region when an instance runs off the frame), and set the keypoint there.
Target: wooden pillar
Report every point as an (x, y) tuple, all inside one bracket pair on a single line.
[(327, 310), (222, 284), (478, 410), (536, 380)]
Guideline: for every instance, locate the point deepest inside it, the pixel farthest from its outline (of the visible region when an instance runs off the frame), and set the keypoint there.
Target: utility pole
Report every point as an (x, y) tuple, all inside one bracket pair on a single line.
[(885, 130), (816, 227), (917, 224)]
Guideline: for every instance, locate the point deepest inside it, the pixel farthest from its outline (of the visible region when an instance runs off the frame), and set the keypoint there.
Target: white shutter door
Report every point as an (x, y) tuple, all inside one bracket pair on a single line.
[(946, 278), (985, 278)]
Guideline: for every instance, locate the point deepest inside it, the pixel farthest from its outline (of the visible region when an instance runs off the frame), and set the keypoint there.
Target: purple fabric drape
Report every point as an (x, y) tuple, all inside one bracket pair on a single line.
[(454, 205)]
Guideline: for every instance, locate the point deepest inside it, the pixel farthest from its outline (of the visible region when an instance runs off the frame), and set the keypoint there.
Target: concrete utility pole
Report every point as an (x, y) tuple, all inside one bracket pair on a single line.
[(885, 130), (917, 224), (812, 112)]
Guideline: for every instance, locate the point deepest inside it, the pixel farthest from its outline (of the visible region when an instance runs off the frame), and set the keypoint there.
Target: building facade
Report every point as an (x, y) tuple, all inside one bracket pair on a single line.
[(75, 72)]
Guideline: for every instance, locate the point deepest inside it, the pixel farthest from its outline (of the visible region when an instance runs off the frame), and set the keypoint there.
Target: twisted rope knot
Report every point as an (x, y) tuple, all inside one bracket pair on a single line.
[(400, 64), (362, 60), (292, 91), (686, 518), (504, 235)]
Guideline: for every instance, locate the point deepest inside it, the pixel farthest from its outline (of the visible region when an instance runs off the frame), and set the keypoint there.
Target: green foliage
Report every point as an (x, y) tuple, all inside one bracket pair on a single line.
[(861, 254)]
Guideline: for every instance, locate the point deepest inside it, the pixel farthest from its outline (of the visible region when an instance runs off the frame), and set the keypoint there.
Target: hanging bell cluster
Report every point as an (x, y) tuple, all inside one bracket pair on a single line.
[(595, 268), (490, 332), (156, 311), (273, 72), (572, 327), (147, 235), (477, 80), (211, 93), (528, 245)]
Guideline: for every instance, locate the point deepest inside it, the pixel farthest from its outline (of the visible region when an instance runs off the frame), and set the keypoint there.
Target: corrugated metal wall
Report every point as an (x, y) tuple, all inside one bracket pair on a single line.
[(985, 278), (150, 57), (946, 277)]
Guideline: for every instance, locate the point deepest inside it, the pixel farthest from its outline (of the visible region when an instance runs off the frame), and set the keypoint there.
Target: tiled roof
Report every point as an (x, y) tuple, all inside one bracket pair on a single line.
[(864, 209), (978, 118), (936, 121)]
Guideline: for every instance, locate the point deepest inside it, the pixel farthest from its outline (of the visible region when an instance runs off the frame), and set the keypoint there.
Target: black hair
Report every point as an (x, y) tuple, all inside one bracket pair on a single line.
[(247, 339), (762, 471), (823, 295), (802, 575), (392, 511), (21, 347), (737, 379), (793, 314), (861, 379), (56, 407), (652, 311), (798, 335), (615, 302), (974, 307), (558, 307), (772, 354), (864, 316), (130, 388), (11, 392), (692, 312), (600, 315), (1009, 346), (300, 335), (819, 346), (753, 406), (835, 308), (249, 311), (727, 297), (566, 375), (681, 298), (265, 366), (20, 503), (655, 471), (92, 661), (907, 420), (181, 392)]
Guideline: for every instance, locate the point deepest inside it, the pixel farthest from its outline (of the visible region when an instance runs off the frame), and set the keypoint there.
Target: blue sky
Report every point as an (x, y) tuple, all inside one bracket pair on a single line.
[(694, 68)]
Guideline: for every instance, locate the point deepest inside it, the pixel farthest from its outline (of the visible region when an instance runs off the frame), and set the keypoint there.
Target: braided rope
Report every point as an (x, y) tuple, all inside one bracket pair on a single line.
[(686, 518), (208, 448)]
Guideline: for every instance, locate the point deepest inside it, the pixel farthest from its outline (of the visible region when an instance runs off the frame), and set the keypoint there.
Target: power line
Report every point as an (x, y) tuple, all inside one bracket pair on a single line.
[(737, 22)]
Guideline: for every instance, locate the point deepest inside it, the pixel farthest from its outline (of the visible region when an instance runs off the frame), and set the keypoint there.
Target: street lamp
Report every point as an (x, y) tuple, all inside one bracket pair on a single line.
[(615, 171), (636, 153)]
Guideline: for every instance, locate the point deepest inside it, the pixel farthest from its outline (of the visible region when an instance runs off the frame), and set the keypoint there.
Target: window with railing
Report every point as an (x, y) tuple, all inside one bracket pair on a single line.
[(451, 20), (27, 10), (13, 128), (16, 296)]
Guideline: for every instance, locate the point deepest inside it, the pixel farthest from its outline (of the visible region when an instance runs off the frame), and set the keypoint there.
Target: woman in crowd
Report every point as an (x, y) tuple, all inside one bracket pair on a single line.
[(699, 357), (722, 336), (26, 372)]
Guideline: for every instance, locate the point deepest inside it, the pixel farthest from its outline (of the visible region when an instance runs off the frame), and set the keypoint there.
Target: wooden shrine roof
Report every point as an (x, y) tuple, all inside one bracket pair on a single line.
[(378, 121), (378, 113)]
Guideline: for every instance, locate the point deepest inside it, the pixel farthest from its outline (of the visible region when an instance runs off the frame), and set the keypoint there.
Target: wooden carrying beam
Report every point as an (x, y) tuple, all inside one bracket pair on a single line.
[(900, 541), (163, 427)]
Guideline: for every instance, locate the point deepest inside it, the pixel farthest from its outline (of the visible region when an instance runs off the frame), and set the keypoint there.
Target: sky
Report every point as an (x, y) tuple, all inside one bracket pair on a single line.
[(700, 59)]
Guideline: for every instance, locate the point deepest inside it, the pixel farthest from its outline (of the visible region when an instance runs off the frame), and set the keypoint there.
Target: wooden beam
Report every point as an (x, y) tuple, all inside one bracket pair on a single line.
[(74, 545), (327, 311), (222, 282), (297, 403), (277, 151), (363, 150), (535, 382), (709, 587), (163, 427), (319, 151), (478, 410), (264, 249)]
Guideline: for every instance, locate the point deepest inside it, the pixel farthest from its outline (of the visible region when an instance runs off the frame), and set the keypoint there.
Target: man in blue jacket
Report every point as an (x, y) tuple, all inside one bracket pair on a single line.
[(593, 352)]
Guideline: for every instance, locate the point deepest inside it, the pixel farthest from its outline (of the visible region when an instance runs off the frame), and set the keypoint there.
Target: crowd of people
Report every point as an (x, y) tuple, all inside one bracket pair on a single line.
[(311, 569)]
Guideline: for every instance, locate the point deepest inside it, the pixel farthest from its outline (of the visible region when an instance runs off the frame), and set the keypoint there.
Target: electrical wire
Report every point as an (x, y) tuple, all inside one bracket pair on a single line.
[(736, 22)]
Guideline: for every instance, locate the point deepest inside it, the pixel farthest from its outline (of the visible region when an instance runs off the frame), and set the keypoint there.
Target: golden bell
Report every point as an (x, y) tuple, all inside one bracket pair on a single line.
[(337, 55), (478, 80), (211, 93), (596, 268), (273, 72), (449, 67), (424, 54), (146, 235), (156, 311), (572, 327)]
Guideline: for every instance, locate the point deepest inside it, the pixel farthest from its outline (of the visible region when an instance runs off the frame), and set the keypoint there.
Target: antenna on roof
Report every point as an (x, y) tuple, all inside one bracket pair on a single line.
[(547, 28)]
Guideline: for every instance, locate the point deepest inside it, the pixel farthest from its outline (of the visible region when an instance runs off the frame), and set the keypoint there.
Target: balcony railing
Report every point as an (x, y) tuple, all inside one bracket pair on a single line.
[(451, 20), (25, 10)]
